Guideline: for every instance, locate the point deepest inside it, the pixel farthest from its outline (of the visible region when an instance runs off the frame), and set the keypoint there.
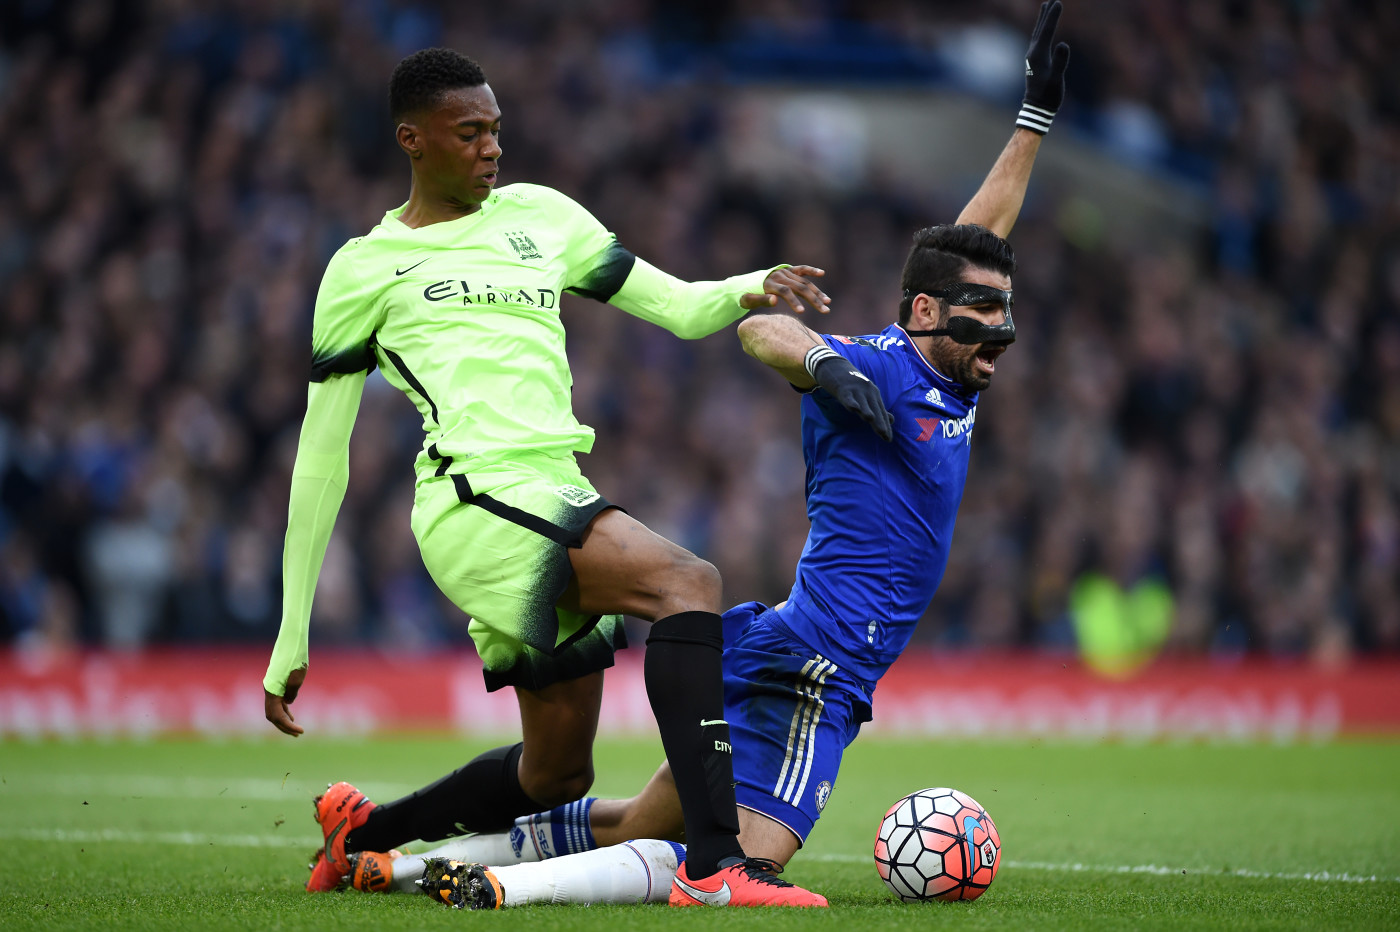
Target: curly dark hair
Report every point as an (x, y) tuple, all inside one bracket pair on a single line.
[(421, 78), (941, 254)]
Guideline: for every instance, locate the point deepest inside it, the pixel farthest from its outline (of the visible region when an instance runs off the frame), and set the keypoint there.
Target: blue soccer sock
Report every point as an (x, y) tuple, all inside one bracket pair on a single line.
[(560, 831)]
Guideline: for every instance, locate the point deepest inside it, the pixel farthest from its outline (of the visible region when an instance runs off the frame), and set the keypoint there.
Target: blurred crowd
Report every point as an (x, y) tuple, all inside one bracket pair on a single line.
[(1217, 420)]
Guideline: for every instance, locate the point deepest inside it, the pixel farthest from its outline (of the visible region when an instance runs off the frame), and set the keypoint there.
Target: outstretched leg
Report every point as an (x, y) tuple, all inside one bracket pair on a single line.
[(639, 871), (622, 566)]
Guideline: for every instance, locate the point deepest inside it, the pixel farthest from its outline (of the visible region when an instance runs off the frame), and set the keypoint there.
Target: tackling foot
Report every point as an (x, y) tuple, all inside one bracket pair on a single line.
[(340, 810), (741, 882), (324, 878)]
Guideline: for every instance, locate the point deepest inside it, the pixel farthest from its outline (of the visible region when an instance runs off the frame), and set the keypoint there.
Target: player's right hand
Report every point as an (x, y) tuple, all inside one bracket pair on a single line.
[(848, 385), (278, 708), (792, 286)]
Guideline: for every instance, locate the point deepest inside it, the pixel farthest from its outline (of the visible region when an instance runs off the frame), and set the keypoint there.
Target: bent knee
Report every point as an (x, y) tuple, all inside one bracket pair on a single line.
[(556, 789), (700, 579)]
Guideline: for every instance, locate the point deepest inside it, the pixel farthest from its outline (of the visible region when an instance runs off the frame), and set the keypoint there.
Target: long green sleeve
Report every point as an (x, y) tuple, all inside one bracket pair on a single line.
[(690, 310), (318, 486)]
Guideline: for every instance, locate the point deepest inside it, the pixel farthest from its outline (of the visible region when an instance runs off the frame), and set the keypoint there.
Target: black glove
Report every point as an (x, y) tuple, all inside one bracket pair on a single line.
[(1045, 73), (848, 385)]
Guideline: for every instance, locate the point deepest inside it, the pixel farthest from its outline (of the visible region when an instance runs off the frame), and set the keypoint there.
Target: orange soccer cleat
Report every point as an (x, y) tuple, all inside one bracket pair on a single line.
[(340, 810), (741, 882), (324, 878), (373, 871)]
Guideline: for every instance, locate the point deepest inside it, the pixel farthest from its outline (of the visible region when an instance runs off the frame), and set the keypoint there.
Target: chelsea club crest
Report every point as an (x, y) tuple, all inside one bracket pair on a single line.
[(823, 794)]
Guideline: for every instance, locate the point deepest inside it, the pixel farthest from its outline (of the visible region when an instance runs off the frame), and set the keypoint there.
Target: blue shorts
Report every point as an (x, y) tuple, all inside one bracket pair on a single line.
[(791, 714)]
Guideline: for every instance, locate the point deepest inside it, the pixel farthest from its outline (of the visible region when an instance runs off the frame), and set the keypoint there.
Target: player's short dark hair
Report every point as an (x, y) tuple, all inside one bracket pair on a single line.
[(942, 253), (420, 80)]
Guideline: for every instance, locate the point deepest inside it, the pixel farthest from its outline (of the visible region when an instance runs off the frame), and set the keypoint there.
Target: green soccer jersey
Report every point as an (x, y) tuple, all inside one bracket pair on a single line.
[(463, 317)]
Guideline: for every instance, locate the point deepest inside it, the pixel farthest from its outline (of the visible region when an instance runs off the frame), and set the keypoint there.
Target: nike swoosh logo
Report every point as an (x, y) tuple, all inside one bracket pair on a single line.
[(970, 825), (718, 897), (330, 839), (713, 721), (410, 268)]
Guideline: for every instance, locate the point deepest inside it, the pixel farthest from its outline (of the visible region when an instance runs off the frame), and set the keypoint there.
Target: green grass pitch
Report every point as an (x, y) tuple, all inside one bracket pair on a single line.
[(215, 835)]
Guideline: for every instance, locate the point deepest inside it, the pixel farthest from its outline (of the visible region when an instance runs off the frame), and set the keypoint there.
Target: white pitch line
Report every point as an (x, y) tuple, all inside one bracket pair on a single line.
[(205, 839), (179, 787), (202, 839), (1080, 868)]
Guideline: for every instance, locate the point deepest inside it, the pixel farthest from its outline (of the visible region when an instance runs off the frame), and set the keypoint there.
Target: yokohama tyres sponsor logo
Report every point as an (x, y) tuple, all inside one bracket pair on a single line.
[(963, 425)]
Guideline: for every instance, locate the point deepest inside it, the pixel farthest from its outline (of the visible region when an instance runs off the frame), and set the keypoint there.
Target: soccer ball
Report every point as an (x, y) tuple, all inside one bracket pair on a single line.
[(937, 844)]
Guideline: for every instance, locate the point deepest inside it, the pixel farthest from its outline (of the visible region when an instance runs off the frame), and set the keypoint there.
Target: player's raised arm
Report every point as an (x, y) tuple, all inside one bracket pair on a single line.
[(804, 359), (599, 267), (997, 202), (697, 309)]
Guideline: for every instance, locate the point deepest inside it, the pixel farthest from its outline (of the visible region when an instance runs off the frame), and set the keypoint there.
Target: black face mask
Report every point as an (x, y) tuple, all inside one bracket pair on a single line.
[(968, 330)]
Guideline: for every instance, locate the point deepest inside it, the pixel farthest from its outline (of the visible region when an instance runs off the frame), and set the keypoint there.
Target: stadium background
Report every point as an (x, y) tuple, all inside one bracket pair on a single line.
[(1194, 444)]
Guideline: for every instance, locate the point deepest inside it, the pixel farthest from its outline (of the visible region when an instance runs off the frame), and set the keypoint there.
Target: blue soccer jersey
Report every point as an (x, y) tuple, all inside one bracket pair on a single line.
[(882, 513)]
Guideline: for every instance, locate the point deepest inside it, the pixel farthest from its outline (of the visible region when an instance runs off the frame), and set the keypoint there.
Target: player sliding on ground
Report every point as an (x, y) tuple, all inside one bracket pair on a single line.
[(455, 296), (887, 423)]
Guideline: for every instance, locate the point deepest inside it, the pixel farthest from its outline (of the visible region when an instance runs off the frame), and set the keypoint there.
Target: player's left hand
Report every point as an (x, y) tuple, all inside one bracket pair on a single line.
[(792, 285), (278, 708), (851, 388), (1045, 72)]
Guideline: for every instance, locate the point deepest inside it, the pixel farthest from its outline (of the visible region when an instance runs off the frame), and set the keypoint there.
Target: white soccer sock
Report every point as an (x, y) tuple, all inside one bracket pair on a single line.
[(474, 849), (562, 830), (637, 871)]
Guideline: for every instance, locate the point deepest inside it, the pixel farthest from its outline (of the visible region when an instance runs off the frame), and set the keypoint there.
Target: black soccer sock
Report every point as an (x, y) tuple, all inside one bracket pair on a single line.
[(684, 685), (483, 796)]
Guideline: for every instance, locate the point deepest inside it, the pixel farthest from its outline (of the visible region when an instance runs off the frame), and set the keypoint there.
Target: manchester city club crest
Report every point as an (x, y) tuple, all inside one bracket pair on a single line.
[(524, 247), (823, 794)]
